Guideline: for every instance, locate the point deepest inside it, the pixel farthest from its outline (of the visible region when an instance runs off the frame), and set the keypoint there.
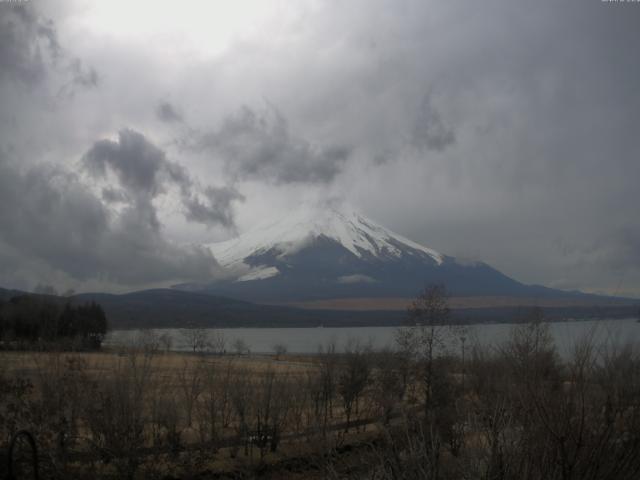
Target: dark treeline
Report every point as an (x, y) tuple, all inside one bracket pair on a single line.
[(27, 319)]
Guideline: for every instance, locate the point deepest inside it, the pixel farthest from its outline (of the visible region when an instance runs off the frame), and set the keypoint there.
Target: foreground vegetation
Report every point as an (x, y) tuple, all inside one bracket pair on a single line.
[(507, 413), (436, 407)]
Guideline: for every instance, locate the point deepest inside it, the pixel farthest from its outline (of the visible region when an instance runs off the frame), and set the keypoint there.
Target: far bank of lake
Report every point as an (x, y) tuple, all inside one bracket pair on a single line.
[(308, 340)]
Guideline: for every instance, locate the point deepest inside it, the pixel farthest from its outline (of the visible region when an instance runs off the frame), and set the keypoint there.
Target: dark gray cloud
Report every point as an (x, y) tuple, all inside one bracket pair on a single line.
[(144, 172), (30, 50), (215, 209), (141, 167), (166, 112), (60, 226), (28, 44), (259, 145)]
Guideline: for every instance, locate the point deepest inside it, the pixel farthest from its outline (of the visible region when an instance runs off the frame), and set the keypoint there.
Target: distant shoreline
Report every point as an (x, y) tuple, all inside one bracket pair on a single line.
[(489, 320)]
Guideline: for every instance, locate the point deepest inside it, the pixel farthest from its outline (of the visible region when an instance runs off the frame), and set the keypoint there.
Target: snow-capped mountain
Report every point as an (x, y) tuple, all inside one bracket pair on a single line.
[(289, 235), (314, 254)]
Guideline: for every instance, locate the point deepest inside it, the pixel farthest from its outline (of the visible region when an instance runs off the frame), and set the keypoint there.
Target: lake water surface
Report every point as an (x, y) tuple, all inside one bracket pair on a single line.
[(307, 340)]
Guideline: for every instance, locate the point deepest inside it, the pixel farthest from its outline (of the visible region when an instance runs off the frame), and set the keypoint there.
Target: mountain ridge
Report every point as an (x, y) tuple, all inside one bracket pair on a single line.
[(334, 252)]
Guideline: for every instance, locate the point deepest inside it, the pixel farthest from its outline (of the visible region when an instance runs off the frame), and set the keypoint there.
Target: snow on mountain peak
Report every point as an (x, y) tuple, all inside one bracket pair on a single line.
[(288, 235)]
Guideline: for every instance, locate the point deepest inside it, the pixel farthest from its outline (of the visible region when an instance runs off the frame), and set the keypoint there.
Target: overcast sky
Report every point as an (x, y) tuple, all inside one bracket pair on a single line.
[(502, 131)]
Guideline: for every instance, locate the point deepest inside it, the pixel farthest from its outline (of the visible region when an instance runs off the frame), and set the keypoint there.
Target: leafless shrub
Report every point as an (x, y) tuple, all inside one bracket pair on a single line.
[(116, 414), (214, 403), (16, 406), (197, 339), (388, 382), (301, 413), (241, 395), (61, 396), (166, 341), (147, 341), (240, 346), (270, 411), (327, 381), (518, 410), (353, 378), (190, 383), (165, 426), (279, 349), (217, 342)]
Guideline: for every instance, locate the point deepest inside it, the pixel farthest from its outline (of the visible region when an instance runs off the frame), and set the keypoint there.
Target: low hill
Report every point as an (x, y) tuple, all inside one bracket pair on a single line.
[(173, 308), (169, 308)]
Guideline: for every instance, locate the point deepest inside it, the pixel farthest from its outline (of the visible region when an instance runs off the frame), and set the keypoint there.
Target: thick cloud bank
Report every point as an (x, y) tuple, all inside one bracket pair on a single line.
[(498, 131), (61, 231), (260, 145)]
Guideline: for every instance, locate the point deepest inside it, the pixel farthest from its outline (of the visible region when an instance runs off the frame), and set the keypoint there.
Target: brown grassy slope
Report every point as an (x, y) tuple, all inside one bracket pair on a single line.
[(398, 303)]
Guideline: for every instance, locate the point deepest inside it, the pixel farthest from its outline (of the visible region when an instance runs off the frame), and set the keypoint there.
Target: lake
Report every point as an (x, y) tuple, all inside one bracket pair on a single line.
[(307, 340)]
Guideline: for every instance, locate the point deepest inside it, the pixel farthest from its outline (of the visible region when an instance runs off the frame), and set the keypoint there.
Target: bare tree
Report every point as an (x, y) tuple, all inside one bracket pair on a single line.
[(428, 313), (165, 422), (328, 378), (218, 342), (240, 346), (301, 405), (388, 383), (353, 378), (271, 409), (166, 341), (148, 341), (209, 409), (215, 407), (190, 382), (424, 341), (196, 338), (116, 415), (279, 349), (242, 397)]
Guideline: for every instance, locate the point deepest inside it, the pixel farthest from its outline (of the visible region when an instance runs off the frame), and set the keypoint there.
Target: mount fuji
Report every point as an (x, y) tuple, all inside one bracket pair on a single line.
[(335, 253)]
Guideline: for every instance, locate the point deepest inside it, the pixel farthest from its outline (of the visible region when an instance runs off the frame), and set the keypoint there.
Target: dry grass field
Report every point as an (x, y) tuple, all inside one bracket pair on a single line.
[(170, 414), (515, 411)]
